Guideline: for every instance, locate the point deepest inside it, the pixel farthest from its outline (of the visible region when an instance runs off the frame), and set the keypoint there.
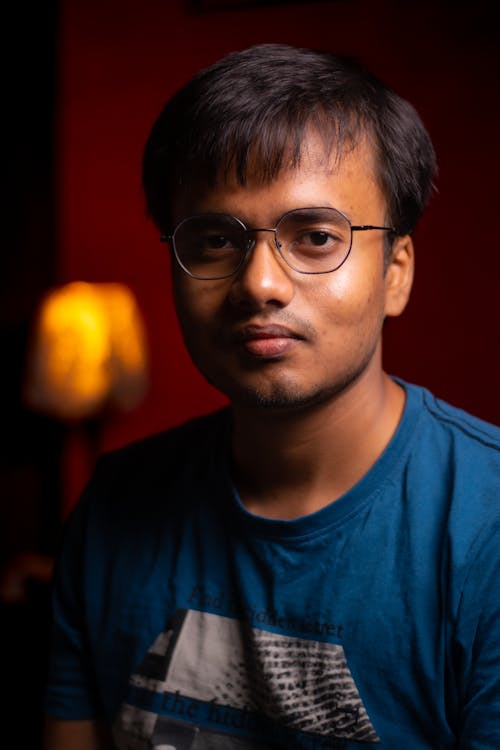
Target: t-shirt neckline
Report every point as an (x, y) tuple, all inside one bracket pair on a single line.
[(363, 492)]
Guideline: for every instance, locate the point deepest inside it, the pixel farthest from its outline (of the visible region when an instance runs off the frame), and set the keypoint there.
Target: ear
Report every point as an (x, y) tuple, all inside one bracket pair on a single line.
[(399, 276)]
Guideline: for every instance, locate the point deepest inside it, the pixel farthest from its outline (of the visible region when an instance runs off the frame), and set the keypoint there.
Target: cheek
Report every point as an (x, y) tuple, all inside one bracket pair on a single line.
[(351, 297), (197, 302)]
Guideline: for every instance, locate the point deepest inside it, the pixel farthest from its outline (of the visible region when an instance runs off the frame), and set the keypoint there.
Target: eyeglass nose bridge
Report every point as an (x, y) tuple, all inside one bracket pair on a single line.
[(250, 241)]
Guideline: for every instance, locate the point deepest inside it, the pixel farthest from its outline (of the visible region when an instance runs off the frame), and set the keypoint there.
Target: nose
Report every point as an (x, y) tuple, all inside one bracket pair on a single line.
[(264, 279)]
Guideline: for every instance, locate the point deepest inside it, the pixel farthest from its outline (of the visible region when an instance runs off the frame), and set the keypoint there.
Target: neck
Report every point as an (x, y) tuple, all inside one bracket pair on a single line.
[(287, 465)]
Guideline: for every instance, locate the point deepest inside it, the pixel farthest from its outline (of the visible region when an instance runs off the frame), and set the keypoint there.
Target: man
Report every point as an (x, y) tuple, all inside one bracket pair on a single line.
[(317, 566)]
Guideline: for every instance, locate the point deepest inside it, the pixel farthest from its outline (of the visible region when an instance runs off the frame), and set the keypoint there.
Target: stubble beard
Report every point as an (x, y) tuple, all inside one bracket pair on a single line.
[(286, 396)]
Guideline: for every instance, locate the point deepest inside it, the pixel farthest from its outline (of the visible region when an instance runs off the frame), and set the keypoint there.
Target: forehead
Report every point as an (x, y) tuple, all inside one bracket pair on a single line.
[(322, 175)]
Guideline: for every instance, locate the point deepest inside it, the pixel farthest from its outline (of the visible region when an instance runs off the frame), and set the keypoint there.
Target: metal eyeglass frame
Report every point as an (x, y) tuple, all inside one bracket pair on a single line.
[(170, 238)]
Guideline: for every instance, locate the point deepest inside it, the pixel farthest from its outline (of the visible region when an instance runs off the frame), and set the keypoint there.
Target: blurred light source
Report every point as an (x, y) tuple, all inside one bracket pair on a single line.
[(88, 352)]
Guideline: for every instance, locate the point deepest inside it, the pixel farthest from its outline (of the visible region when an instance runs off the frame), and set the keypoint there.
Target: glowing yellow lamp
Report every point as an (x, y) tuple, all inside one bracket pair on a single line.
[(88, 352)]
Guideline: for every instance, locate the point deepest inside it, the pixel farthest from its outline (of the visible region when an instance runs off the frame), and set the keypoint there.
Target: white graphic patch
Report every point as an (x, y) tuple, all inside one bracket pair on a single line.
[(233, 670)]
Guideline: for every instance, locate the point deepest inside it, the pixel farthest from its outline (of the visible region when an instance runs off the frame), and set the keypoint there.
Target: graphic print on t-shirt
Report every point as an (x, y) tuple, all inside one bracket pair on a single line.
[(214, 682)]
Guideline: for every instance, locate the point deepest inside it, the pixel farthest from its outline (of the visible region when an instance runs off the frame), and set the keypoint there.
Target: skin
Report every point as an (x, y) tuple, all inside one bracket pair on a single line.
[(312, 407), (76, 735), (299, 356)]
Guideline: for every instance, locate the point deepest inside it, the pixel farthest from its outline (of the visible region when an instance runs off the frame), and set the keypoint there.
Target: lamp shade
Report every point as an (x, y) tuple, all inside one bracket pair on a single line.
[(88, 352)]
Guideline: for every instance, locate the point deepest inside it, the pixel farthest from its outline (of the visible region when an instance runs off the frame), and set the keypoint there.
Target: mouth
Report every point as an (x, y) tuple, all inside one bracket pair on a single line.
[(267, 341)]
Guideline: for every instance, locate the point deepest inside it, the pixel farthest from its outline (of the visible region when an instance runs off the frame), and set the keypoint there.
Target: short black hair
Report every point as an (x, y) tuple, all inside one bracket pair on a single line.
[(258, 104)]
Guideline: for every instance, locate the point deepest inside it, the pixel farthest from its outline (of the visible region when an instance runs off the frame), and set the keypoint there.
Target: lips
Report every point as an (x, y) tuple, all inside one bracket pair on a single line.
[(268, 341)]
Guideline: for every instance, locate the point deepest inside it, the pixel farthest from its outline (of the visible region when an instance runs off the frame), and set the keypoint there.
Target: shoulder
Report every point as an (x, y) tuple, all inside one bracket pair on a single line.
[(464, 426), (451, 484), (185, 442), (454, 464), (441, 424), (457, 449), (156, 472)]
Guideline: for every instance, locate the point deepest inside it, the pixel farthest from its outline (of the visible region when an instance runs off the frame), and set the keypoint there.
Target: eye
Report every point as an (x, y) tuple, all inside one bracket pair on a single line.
[(215, 242), (312, 239), (316, 238)]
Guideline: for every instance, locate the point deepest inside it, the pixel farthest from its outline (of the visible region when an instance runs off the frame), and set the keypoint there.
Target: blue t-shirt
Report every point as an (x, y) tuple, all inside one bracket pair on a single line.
[(189, 623)]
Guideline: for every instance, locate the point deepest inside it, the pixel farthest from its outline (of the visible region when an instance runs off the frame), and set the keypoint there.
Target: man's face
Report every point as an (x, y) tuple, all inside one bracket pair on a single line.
[(270, 336)]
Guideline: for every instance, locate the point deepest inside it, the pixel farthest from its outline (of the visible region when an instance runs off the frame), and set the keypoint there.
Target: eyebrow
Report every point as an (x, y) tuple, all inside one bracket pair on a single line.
[(310, 212), (304, 216)]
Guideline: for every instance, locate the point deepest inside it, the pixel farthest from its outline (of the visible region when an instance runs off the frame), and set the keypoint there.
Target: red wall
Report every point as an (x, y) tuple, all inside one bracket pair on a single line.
[(119, 62)]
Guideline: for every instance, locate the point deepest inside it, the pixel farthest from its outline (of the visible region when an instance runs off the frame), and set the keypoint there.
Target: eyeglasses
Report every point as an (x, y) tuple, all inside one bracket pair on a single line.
[(310, 240)]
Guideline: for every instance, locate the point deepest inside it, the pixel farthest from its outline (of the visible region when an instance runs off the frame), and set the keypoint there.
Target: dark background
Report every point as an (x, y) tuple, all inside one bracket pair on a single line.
[(83, 82)]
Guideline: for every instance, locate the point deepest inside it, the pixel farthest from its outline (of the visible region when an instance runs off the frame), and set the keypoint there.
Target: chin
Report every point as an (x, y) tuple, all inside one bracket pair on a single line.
[(284, 393), (280, 397)]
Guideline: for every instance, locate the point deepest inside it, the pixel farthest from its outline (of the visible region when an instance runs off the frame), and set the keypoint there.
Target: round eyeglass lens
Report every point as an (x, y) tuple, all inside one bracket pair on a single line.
[(314, 240), (210, 246)]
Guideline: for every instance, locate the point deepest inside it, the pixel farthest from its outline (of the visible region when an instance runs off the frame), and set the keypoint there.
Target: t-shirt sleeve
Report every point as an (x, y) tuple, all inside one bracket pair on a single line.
[(128, 484), (71, 691), (478, 650)]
